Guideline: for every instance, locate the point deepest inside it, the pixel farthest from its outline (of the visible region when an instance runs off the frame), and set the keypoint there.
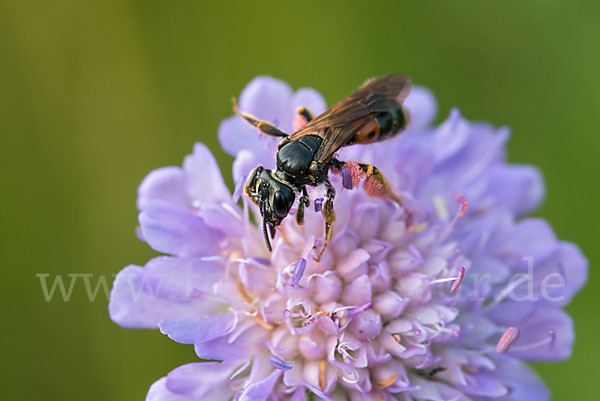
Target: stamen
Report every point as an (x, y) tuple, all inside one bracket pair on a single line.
[(439, 204), (322, 381), (279, 363), (298, 271), (551, 340), (507, 340), (264, 324), (243, 291), (464, 205), (359, 309), (397, 337), (318, 204), (346, 178), (387, 382), (462, 211), (459, 279)]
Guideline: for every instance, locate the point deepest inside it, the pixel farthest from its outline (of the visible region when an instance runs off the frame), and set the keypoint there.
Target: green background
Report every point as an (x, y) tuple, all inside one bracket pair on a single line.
[(95, 94)]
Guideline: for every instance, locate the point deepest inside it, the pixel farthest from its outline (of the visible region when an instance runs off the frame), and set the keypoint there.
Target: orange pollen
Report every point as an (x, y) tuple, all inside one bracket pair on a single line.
[(322, 375), (396, 337), (387, 382), (243, 291)]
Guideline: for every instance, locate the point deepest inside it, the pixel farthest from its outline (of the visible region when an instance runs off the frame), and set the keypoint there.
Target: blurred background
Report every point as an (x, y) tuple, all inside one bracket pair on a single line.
[(95, 94)]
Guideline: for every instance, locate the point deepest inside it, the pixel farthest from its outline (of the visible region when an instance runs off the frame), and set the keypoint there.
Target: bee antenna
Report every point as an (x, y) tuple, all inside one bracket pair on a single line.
[(266, 234)]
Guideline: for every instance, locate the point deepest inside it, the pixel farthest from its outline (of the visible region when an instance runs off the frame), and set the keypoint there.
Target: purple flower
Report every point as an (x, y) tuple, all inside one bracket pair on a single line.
[(449, 308)]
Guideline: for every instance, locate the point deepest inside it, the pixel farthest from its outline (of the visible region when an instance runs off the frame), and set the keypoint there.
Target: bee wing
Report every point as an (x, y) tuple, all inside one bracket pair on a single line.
[(341, 122)]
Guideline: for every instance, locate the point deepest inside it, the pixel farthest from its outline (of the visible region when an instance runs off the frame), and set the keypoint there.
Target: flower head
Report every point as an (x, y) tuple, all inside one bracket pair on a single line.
[(447, 308)]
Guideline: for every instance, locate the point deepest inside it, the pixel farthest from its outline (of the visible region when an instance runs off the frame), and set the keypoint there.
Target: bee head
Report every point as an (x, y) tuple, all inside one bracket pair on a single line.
[(273, 197)]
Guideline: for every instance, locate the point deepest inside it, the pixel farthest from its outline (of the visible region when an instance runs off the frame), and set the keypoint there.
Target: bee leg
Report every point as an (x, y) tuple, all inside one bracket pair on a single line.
[(303, 116), (376, 185), (264, 126), (303, 202), (329, 214)]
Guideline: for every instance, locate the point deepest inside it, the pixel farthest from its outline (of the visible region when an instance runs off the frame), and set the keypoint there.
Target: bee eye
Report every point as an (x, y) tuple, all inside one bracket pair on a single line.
[(280, 204)]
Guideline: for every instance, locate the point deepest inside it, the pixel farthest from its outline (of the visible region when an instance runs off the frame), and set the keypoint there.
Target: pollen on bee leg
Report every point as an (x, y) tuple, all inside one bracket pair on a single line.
[(299, 122), (355, 172), (303, 116)]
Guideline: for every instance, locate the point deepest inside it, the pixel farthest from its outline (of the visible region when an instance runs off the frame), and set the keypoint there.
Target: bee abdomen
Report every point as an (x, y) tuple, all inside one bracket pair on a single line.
[(382, 126)]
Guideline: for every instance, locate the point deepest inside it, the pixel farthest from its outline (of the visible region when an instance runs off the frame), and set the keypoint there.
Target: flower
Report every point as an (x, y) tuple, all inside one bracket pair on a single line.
[(448, 308)]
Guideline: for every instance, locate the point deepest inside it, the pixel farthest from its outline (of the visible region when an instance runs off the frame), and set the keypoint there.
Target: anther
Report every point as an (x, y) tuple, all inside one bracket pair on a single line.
[(346, 178), (457, 280), (298, 271), (279, 363), (322, 381), (243, 291), (359, 309), (264, 324), (387, 382), (464, 205), (509, 337), (318, 204)]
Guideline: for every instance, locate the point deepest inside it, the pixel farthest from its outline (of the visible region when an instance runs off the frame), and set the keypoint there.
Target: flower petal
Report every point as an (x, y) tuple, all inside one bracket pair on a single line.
[(173, 230), (422, 107), (260, 390), (546, 335), (202, 380), (522, 382), (224, 348), (166, 288), (203, 176), (309, 98), (518, 188), (166, 184), (268, 99), (197, 330), (159, 392)]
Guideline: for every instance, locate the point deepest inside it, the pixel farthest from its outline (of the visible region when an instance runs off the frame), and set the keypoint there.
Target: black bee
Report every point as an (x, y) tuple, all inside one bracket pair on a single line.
[(372, 113)]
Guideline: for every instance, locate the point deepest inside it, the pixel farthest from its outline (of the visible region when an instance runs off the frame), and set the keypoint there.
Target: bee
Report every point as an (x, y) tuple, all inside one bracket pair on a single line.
[(372, 113)]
